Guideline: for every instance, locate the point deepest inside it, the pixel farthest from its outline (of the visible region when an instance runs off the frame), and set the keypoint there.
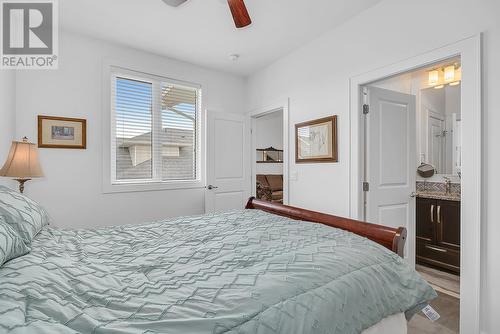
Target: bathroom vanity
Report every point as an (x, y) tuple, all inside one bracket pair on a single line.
[(438, 228)]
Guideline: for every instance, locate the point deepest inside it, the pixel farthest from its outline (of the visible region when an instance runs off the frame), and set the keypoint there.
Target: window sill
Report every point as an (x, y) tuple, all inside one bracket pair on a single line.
[(126, 187)]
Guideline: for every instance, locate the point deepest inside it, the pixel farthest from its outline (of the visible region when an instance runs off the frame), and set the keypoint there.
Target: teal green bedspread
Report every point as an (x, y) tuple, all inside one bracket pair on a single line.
[(237, 272)]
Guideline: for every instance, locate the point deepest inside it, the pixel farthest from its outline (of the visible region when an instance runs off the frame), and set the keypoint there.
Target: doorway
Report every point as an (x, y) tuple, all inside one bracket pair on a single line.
[(269, 153), (411, 174), (469, 51)]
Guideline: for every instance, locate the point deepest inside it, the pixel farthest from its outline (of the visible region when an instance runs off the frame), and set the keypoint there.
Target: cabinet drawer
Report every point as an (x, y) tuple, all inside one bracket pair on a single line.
[(438, 256)]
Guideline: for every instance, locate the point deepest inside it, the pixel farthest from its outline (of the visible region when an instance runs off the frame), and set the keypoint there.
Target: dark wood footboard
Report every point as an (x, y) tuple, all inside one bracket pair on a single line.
[(391, 238)]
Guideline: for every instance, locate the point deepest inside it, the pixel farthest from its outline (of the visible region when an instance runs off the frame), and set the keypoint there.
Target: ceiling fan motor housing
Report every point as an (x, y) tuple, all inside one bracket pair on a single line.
[(238, 10), (174, 3)]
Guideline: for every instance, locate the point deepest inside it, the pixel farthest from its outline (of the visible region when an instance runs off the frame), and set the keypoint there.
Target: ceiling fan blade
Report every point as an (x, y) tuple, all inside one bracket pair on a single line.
[(174, 3), (240, 13)]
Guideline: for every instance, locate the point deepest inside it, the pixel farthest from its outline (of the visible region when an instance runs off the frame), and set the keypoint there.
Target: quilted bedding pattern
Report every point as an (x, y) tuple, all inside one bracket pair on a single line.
[(238, 272)]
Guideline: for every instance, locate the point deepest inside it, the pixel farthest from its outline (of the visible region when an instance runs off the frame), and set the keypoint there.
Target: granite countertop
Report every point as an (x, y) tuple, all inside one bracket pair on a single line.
[(439, 195)]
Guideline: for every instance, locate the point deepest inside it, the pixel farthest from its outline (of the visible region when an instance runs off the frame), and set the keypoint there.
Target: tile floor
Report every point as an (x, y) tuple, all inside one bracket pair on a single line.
[(448, 308), (447, 304), (441, 281)]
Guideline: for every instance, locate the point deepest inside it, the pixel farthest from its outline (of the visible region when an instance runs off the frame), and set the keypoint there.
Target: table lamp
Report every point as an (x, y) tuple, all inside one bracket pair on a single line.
[(22, 163)]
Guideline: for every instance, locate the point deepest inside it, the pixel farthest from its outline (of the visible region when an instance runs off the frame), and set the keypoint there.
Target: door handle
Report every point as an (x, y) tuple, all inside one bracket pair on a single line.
[(210, 187), (439, 214), (413, 194), (432, 213)]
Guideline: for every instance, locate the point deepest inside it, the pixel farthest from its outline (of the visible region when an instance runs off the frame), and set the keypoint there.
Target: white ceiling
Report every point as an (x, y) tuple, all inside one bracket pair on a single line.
[(202, 31)]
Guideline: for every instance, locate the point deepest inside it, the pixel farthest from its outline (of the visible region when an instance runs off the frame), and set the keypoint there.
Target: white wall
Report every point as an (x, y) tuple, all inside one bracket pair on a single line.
[(269, 132), (71, 189), (7, 117), (316, 79)]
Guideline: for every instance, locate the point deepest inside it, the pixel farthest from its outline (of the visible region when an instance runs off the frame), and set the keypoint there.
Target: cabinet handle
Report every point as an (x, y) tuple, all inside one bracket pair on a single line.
[(432, 213), (439, 214), (436, 249)]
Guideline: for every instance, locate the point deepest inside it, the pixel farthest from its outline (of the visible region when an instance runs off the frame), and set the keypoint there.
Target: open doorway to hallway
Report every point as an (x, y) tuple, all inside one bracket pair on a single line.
[(412, 175), (269, 156)]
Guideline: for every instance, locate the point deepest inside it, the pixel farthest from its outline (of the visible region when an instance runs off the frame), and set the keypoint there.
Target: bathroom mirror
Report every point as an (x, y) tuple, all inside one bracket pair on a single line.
[(441, 139)]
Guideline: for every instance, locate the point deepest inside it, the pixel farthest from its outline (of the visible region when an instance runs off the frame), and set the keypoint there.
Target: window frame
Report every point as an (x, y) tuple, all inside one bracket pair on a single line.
[(109, 182)]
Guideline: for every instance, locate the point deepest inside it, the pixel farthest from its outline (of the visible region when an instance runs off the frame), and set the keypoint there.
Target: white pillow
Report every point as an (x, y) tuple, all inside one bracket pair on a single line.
[(24, 215), (11, 244)]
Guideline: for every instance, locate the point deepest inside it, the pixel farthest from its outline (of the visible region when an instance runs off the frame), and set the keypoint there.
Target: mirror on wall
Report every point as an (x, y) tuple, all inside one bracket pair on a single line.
[(441, 125)]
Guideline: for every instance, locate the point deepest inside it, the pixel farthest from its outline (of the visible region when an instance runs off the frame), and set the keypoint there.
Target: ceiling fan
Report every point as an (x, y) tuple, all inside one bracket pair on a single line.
[(238, 9)]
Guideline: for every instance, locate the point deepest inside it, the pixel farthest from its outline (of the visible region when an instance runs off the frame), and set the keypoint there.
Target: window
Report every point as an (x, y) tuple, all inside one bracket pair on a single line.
[(155, 129)]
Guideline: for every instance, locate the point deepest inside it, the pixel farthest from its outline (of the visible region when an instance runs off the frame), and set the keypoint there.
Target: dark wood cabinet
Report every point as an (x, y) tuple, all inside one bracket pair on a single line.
[(438, 233), (425, 214)]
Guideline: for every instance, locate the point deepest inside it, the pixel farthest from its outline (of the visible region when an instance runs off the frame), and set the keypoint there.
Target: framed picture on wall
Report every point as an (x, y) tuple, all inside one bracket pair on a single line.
[(316, 141), (62, 132)]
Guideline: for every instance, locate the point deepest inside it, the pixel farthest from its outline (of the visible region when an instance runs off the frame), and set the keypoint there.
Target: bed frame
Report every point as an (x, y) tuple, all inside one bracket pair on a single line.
[(391, 238)]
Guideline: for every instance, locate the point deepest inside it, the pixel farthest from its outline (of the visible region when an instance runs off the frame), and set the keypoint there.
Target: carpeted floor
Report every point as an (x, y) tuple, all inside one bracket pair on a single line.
[(448, 308)]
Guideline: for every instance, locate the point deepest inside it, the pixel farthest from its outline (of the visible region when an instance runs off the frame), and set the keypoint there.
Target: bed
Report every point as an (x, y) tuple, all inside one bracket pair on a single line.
[(267, 269)]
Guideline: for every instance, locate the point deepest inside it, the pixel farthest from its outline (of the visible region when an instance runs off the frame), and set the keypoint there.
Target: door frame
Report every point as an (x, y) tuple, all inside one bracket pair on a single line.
[(262, 111), (469, 49)]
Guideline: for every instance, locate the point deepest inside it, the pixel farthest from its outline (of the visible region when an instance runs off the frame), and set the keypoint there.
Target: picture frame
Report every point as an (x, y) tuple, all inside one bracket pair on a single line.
[(316, 141), (62, 132)]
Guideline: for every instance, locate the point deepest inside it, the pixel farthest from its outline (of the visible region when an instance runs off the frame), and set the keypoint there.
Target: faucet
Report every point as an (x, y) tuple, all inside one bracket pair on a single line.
[(447, 182)]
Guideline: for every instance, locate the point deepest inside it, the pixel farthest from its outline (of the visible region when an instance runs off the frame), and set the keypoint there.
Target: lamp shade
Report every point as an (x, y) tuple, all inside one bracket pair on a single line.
[(22, 162)]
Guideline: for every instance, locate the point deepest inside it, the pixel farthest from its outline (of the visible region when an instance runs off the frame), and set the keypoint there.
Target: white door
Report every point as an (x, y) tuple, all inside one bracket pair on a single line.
[(228, 165), (391, 159)]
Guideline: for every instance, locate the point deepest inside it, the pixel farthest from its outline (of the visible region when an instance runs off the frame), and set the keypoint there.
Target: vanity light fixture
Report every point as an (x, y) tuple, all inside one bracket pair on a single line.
[(448, 75), (433, 77)]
